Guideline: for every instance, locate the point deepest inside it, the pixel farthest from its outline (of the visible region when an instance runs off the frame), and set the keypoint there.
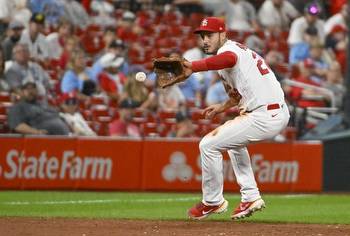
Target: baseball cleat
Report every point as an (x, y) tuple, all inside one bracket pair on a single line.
[(246, 209), (201, 211)]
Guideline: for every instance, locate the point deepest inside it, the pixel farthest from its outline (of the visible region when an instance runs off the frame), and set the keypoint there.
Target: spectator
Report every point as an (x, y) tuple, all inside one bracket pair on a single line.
[(305, 97), (21, 13), (137, 92), (310, 18), (72, 116), (184, 127), (70, 44), (216, 92), (78, 78), (111, 80), (171, 99), (56, 40), (321, 61), (123, 127), (240, 15), (337, 19), (76, 14), (23, 69), (277, 13), (52, 9), (300, 51), (29, 116), (6, 11), (273, 59), (14, 34), (36, 41), (127, 29), (3, 84), (104, 13), (118, 48), (334, 82)]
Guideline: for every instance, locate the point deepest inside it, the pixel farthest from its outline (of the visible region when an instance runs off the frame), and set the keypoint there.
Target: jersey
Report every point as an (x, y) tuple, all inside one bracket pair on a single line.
[(253, 79)]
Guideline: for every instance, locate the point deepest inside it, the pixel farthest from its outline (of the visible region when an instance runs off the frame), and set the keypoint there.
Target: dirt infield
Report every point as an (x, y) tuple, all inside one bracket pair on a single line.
[(13, 226)]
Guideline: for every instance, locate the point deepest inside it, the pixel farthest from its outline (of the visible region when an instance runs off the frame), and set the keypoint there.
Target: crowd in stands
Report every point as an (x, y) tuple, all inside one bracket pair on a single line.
[(68, 67)]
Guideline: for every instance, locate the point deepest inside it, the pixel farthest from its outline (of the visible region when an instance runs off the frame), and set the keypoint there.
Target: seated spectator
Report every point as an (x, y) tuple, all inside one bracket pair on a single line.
[(139, 93), (300, 51), (103, 11), (78, 78), (111, 80), (310, 18), (321, 61), (29, 116), (36, 41), (3, 84), (71, 115), (277, 13), (305, 97), (171, 98), (240, 15), (255, 43), (184, 127), (23, 69), (273, 59), (52, 9), (216, 92), (14, 34), (337, 40), (7, 8), (337, 19), (118, 48), (335, 83), (127, 29), (122, 127), (21, 13), (57, 40), (70, 44), (76, 14)]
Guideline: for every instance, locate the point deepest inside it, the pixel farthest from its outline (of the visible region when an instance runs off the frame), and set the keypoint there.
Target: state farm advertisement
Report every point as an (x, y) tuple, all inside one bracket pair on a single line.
[(154, 164), (69, 163), (290, 167)]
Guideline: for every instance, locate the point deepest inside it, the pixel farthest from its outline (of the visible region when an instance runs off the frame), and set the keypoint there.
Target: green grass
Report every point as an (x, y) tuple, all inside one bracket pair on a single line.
[(323, 208)]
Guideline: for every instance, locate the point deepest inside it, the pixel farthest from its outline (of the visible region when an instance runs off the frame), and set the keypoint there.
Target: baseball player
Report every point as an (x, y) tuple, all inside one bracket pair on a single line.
[(253, 87)]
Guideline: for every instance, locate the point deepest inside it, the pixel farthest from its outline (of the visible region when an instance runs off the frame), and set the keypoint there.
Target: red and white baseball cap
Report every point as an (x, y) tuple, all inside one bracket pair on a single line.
[(211, 24)]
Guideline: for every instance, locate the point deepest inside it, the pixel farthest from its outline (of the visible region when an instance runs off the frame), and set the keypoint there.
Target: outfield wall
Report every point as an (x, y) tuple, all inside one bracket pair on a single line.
[(150, 164)]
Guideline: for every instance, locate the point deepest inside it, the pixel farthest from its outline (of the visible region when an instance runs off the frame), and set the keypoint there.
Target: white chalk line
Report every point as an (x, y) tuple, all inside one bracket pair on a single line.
[(99, 201), (106, 201)]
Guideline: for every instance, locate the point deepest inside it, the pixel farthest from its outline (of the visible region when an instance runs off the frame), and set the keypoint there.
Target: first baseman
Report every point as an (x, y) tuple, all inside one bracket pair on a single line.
[(253, 87)]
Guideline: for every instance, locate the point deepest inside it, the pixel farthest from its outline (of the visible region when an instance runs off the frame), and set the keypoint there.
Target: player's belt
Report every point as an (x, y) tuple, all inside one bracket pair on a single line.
[(273, 106)]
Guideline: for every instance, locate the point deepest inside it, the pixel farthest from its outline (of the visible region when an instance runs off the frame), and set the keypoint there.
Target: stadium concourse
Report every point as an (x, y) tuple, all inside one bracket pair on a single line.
[(78, 59)]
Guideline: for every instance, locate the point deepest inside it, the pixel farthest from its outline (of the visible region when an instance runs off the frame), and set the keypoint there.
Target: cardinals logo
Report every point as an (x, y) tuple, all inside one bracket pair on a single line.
[(204, 22)]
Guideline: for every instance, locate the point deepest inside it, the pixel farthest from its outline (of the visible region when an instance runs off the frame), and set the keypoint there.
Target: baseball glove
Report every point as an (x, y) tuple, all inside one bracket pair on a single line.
[(169, 70)]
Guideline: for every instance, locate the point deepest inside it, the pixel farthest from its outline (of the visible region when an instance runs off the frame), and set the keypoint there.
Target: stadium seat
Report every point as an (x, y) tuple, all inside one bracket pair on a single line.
[(5, 97)]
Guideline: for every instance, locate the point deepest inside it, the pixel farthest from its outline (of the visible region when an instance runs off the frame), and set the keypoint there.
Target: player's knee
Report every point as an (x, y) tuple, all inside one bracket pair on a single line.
[(205, 144)]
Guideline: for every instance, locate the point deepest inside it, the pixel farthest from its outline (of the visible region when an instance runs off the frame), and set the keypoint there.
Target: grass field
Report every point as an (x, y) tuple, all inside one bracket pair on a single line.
[(323, 208)]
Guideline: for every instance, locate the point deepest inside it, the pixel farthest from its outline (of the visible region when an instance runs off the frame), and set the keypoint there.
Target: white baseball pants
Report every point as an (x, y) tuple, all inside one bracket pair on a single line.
[(233, 136)]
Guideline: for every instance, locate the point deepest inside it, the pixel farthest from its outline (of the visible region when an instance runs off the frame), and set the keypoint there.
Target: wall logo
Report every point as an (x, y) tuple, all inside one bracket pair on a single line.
[(44, 166), (177, 169)]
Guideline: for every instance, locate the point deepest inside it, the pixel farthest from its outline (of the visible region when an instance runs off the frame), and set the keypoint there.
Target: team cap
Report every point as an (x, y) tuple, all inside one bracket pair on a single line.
[(211, 24)]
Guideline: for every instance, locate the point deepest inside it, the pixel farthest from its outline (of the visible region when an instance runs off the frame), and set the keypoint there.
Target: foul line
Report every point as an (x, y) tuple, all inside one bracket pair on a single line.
[(98, 201), (105, 201)]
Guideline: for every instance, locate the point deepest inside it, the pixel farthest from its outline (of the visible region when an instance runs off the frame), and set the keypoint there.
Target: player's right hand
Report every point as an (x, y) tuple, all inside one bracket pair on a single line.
[(212, 110)]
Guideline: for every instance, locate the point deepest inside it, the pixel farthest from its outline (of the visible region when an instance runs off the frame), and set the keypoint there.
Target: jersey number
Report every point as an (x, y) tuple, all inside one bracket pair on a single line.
[(260, 63)]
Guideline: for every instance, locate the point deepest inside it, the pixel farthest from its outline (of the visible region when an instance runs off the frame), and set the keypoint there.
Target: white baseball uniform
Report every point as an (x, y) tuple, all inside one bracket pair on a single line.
[(266, 115)]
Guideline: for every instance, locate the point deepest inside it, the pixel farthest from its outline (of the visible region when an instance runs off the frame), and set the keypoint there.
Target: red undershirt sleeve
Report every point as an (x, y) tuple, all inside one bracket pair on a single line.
[(221, 61)]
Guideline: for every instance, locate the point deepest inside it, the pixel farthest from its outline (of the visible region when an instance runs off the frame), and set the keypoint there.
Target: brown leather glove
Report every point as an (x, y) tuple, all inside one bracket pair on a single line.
[(169, 70)]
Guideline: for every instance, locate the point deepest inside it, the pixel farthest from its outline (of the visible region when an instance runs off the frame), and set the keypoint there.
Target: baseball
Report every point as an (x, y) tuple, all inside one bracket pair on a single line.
[(140, 76)]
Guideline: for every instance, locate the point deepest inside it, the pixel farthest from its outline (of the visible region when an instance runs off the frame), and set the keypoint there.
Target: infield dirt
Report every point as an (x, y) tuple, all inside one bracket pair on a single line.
[(13, 226)]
